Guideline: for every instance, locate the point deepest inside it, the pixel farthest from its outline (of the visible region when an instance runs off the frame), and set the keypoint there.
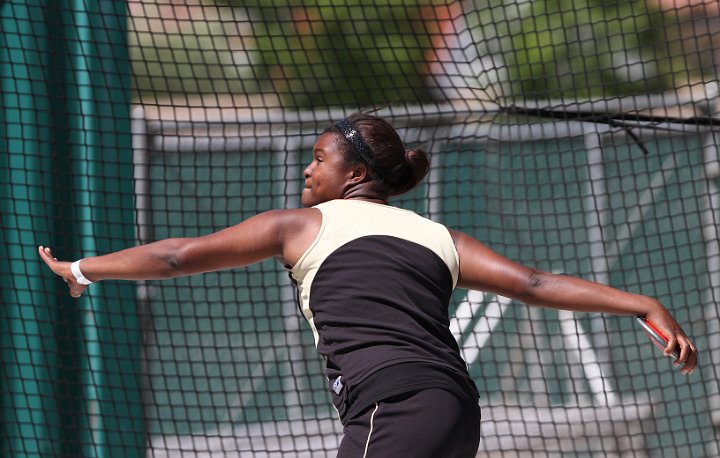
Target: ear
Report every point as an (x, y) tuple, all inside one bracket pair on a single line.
[(358, 173)]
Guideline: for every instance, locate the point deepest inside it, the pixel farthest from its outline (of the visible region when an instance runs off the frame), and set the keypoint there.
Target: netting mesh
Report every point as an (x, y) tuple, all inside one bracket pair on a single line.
[(576, 137)]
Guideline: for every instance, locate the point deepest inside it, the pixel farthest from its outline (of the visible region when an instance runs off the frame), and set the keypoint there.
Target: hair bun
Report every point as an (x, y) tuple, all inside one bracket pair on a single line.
[(417, 165), (397, 169)]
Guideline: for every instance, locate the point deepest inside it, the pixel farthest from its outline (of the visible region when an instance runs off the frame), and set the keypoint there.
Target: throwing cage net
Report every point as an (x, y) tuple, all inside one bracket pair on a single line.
[(577, 137)]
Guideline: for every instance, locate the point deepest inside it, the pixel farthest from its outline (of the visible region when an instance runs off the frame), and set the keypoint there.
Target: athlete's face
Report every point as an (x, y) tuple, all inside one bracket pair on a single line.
[(327, 177)]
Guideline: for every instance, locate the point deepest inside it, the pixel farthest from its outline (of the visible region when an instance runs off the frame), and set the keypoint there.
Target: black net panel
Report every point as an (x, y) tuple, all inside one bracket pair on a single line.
[(576, 137)]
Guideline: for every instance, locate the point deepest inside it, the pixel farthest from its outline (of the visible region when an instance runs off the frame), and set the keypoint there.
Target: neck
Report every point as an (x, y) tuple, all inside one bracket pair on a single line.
[(375, 201), (367, 194)]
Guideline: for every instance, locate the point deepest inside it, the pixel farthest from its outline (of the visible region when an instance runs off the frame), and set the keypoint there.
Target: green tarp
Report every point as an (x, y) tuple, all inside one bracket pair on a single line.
[(70, 369)]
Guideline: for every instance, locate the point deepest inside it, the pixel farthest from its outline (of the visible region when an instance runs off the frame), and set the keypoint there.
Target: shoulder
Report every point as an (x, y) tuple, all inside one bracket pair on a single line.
[(467, 245), (296, 228), (292, 219), (457, 236)]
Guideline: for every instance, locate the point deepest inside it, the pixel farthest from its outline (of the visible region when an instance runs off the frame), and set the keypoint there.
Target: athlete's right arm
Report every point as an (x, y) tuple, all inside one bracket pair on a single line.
[(275, 233)]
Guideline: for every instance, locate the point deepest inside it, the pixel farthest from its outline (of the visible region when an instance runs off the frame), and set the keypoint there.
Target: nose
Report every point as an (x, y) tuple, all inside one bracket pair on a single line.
[(306, 172)]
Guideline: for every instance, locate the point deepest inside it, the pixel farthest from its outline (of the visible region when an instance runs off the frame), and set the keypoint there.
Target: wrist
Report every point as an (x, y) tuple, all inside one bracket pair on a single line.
[(653, 306), (77, 273)]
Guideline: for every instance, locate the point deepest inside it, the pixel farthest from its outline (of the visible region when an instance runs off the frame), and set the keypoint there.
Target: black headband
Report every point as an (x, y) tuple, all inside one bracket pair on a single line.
[(358, 143)]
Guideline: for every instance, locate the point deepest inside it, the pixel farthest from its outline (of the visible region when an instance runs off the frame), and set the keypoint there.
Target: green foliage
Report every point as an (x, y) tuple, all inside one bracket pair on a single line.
[(589, 48), (319, 53), (350, 52)]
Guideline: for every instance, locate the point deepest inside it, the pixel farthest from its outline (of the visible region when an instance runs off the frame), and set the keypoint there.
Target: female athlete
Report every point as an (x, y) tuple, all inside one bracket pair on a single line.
[(374, 283)]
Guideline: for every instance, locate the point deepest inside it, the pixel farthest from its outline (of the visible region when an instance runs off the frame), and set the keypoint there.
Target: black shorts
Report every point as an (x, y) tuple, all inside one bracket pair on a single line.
[(430, 423)]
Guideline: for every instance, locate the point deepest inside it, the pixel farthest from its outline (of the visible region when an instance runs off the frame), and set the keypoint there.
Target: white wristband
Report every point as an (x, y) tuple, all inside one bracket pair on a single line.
[(79, 277)]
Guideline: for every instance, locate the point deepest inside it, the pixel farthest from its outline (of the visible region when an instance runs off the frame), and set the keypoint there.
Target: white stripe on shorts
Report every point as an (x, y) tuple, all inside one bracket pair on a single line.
[(372, 420)]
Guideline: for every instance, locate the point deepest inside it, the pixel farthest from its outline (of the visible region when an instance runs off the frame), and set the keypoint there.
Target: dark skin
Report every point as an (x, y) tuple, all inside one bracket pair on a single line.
[(287, 234)]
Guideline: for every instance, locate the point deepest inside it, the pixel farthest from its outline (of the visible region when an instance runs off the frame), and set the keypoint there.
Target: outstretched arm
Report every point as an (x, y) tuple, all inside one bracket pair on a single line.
[(483, 269), (271, 234)]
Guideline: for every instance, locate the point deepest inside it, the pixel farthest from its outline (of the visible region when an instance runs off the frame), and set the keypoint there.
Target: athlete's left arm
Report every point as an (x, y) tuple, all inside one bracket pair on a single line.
[(483, 269)]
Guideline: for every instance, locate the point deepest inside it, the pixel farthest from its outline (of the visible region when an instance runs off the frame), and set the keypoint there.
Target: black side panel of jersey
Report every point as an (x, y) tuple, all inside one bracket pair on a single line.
[(379, 301)]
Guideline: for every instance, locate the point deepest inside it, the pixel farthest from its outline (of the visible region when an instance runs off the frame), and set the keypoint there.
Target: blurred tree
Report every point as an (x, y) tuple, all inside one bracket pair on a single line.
[(347, 52), (322, 52), (589, 48)]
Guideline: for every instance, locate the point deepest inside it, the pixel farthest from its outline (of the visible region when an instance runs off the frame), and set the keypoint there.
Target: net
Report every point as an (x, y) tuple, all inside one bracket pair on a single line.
[(577, 137)]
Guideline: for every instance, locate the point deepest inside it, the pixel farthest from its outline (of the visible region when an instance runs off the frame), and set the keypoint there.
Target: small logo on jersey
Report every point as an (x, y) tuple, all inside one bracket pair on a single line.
[(337, 385)]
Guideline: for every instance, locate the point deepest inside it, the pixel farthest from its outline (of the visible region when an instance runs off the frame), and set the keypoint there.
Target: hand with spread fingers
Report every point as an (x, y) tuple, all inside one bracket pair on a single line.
[(63, 270)]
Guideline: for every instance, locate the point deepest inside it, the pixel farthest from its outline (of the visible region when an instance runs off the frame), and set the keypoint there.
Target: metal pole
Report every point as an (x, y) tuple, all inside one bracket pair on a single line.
[(710, 217), (138, 128), (296, 381), (596, 208)]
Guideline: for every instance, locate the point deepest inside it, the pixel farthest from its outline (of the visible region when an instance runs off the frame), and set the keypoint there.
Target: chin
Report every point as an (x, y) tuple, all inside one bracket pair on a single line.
[(306, 200), (310, 202)]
